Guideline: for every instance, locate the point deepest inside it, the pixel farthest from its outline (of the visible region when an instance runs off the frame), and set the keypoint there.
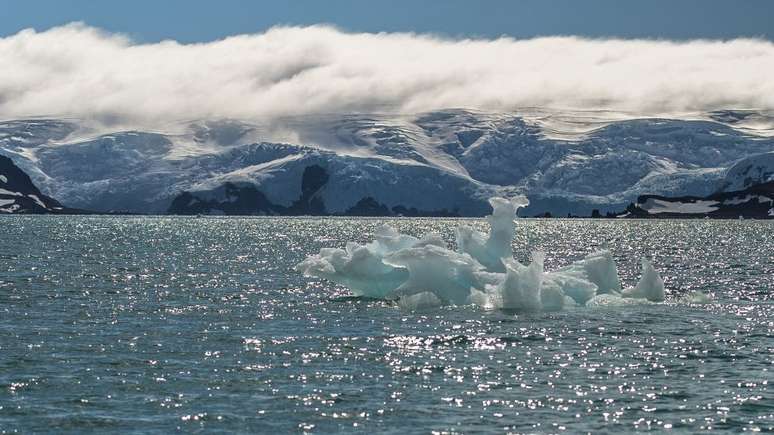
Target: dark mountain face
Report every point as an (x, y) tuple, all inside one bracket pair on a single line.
[(19, 195), (236, 200), (310, 203), (232, 199)]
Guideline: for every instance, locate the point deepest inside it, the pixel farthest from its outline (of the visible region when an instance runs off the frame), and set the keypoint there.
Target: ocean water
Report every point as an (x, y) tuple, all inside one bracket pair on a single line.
[(163, 324)]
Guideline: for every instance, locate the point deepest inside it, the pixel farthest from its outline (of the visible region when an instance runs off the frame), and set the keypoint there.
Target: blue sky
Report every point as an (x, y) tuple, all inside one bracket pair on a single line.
[(196, 20)]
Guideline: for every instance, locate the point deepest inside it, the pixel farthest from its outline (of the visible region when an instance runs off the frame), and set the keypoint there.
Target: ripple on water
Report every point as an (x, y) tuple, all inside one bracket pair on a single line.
[(127, 324)]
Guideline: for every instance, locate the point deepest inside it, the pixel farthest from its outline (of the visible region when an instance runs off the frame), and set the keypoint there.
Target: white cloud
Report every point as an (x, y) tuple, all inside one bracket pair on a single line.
[(76, 70)]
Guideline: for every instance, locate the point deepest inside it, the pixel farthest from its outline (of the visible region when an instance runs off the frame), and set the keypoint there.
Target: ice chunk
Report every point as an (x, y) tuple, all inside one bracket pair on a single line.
[(696, 297), (608, 300), (601, 270), (571, 283), (358, 267), (553, 299), (598, 268), (519, 290), (419, 301), (650, 286), (447, 274), (482, 299), (387, 239), (491, 249), (361, 267), (584, 279)]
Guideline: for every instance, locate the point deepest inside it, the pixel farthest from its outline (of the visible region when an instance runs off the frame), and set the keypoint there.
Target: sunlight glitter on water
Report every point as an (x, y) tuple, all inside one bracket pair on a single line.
[(151, 324)]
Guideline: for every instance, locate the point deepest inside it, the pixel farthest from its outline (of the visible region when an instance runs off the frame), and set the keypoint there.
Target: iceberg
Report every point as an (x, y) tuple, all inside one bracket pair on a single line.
[(424, 272)]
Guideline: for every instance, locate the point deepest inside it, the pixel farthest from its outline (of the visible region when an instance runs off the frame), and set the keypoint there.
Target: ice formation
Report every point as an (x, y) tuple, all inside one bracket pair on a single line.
[(650, 287), (424, 272)]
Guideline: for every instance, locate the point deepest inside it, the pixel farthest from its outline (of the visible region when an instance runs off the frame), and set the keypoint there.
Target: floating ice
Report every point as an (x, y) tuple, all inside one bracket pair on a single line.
[(584, 279), (696, 297), (363, 268), (419, 301), (650, 287), (518, 290), (424, 272), (447, 274), (611, 300), (491, 250)]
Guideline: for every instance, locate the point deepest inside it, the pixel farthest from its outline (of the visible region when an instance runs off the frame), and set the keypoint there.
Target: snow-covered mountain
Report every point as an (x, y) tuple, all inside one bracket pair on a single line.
[(749, 171), (443, 162)]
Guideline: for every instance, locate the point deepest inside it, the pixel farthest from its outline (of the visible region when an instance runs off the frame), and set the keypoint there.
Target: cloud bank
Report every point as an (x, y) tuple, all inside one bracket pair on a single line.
[(80, 71)]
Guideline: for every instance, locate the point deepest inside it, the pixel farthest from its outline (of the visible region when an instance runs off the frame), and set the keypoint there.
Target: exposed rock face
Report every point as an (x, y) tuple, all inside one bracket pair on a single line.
[(19, 195), (311, 203), (368, 207), (754, 202), (235, 200), (246, 199)]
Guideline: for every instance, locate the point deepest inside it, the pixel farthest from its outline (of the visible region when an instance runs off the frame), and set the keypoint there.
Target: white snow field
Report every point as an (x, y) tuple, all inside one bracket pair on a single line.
[(424, 272), (656, 206), (454, 160)]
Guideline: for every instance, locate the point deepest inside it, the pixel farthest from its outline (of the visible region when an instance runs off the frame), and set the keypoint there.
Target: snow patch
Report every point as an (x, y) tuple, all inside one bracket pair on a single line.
[(13, 208), (656, 206), (37, 200), (748, 198), (8, 192)]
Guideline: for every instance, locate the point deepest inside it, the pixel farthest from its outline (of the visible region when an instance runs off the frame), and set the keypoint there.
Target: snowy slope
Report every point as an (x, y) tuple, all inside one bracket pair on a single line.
[(749, 171), (444, 160)]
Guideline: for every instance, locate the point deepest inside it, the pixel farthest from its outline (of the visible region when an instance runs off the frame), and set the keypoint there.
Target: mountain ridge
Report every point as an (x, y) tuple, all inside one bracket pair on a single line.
[(444, 160)]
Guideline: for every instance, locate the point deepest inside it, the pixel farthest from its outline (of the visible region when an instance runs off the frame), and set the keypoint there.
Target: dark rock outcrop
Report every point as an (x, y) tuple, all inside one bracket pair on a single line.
[(19, 195), (368, 207), (754, 202), (246, 199), (237, 200), (232, 199), (310, 203), (400, 210)]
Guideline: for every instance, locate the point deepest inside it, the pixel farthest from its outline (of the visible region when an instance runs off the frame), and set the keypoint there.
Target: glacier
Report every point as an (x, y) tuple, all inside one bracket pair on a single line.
[(424, 272), (445, 162)]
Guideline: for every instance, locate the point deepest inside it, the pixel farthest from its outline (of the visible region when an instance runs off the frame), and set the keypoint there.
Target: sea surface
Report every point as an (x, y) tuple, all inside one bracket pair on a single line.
[(164, 324)]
